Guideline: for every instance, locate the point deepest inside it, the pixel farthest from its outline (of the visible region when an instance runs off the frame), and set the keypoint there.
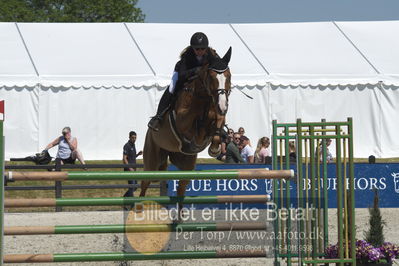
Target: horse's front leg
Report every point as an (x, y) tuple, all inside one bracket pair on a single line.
[(215, 147), (181, 190)]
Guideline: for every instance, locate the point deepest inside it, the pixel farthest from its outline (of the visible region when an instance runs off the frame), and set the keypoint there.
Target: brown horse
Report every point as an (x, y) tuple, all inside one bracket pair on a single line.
[(195, 120)]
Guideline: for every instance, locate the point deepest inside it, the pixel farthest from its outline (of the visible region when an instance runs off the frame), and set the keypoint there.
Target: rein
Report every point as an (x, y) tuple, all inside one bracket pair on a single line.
[(204, 81), (206, 86)]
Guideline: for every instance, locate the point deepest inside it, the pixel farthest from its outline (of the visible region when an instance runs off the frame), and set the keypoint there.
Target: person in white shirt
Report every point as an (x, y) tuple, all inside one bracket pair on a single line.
[(247, 153), (68, 150)]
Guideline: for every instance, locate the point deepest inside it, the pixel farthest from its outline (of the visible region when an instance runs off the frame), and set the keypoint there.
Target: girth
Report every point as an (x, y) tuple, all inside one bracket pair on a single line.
[(188, 147)]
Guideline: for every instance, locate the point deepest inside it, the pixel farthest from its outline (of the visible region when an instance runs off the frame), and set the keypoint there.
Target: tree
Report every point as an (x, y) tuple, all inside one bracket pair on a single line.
[(70, 11), (375, 234), (16, 11)]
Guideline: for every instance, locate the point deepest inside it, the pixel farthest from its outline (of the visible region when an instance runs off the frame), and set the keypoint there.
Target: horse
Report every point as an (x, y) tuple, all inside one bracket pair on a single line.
[(195, 120)]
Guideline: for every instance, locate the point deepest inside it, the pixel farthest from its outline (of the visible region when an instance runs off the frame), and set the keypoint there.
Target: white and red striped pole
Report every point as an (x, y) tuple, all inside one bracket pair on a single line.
[(2, 115), (1, 182)]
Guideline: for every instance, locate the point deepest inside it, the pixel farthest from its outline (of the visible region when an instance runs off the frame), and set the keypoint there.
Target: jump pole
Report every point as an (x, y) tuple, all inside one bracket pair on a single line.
[(121, 256), (1, 182), (19, 203), (132, 228), (152, 175)]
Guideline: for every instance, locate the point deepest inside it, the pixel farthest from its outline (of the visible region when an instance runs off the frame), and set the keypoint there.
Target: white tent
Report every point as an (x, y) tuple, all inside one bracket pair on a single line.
[(105, 79)]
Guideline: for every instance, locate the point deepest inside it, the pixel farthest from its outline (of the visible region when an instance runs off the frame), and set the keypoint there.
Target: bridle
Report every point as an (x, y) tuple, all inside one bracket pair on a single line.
[(214, 94)]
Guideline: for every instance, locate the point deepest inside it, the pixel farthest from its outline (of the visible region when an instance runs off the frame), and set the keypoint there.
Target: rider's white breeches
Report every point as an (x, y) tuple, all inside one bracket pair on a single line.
[(172, 85)]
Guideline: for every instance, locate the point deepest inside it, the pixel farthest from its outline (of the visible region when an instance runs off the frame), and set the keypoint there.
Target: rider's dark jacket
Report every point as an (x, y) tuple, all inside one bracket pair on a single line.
[(188, 63)]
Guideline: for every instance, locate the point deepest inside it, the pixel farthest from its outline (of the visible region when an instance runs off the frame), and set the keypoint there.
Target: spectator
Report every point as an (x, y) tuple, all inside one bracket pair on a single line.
[(129, 157), (319, 151), (241, 131), (247, 153), (224, 142), (292, 151), (230, 132), (262, 150), (68, 150), (232, 153)]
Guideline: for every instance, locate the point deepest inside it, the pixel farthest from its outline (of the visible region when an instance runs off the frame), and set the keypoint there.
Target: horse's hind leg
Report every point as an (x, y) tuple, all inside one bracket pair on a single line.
[(144, 186), (151, 159), (184, 163)]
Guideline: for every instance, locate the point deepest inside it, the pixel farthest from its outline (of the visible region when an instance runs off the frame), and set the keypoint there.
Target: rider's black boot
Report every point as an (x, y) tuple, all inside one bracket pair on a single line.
[(163, 106)]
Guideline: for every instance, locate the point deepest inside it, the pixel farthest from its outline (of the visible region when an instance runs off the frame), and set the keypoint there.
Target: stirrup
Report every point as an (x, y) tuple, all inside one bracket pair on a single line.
[(155, 122)]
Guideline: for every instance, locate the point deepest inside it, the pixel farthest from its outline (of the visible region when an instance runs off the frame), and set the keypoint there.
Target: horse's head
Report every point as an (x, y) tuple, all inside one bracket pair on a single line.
[(219, 80), (204, 103)]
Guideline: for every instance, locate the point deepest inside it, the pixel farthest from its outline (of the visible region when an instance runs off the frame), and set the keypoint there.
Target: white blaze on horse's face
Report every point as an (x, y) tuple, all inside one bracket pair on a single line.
[(222, 99)]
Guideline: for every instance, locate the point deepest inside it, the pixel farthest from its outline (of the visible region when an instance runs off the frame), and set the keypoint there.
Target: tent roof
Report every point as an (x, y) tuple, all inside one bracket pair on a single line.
[(141, 54), (85, 54), (16, 68), (163, 47), (380, 45), (293, 52)]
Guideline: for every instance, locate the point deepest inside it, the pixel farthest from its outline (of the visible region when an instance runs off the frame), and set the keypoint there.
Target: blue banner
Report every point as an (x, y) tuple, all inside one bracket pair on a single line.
[(383, 177)]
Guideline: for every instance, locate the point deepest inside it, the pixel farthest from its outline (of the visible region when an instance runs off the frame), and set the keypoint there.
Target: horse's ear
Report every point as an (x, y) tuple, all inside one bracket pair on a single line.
[(227, 56)]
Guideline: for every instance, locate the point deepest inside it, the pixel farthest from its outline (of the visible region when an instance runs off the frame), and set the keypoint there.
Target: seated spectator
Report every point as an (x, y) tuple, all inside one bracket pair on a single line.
[(230, 132), (224, 142), (232, 153), (241, 131), (292, 151), (68, 150), (262, 150), (371, 159), (319, 151), (247, 153)]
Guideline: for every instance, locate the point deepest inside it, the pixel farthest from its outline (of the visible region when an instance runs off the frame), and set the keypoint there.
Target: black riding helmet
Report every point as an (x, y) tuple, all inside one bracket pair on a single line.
[(199, 40)]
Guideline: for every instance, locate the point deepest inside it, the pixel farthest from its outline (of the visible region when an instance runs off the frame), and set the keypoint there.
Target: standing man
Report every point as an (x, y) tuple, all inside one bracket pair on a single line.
[(129, 157)]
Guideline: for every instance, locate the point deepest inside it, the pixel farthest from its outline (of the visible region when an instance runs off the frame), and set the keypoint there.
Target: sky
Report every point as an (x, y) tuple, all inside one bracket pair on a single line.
[(267, 11)]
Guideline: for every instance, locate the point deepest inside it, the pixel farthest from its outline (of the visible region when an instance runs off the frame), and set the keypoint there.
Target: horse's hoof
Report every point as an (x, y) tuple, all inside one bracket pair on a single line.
[(177, 220), (138, 208), (214, 153)]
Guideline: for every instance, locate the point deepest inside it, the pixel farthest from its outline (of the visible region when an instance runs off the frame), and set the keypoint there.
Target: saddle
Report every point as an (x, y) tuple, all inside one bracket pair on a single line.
[(188, 147)]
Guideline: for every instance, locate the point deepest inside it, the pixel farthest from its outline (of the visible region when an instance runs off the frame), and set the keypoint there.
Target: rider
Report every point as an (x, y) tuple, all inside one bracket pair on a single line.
[(191, 59)]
